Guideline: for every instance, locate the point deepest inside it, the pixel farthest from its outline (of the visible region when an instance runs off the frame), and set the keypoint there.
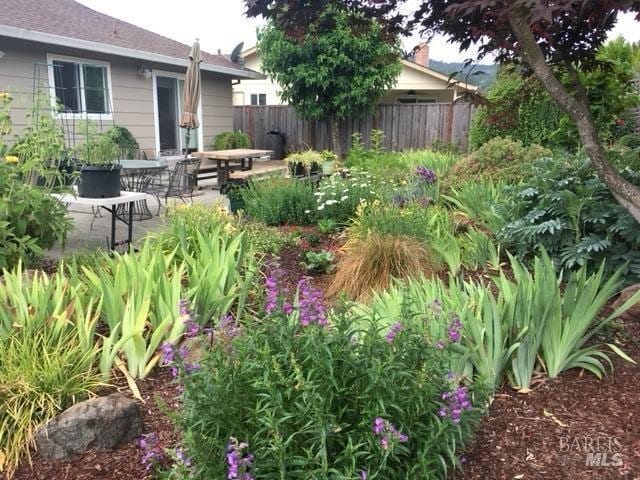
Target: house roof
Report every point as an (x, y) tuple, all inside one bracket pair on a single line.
[(408, 63), (69, 23), (441, 76)]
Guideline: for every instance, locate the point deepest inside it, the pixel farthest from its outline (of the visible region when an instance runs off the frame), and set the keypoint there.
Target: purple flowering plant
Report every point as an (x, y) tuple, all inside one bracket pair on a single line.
[(303, 378)]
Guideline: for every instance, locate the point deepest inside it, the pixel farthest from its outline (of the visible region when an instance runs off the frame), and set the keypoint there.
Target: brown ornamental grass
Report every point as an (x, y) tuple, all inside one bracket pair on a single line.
[(371, 263)]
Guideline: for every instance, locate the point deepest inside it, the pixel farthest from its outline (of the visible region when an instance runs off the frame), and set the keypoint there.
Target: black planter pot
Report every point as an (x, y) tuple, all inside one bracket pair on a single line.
[(296, 169), (99, 181), (315, 169), (236, 204)]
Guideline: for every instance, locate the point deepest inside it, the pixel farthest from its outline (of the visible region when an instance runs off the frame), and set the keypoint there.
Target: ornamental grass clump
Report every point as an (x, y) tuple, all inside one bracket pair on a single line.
[(371, 263), (313, 394)]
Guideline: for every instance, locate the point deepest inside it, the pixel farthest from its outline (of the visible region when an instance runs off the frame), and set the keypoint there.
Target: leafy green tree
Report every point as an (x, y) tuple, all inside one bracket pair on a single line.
[(519, 106), (337, 66), (554, 39)]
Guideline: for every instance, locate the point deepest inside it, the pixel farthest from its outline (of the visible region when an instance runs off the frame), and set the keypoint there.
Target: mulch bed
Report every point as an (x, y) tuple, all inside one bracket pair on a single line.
[(159, 392), (548, 433), (545, 434)]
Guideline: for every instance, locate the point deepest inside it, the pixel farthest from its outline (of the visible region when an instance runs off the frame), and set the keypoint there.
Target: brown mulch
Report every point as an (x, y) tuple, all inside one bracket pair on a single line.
[(291, 259), (122, 463), (545, 434), (548, 433)]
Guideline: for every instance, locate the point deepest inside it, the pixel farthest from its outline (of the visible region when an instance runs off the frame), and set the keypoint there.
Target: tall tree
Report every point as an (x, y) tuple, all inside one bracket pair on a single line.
[(337, 66), (552, 37)]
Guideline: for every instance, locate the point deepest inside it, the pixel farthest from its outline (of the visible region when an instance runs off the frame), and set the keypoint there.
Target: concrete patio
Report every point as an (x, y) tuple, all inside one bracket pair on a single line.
[(87, 238)]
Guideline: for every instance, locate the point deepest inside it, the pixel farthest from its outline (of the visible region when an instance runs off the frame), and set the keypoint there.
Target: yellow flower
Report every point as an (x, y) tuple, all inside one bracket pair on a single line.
[(11, 159), (4, 96)]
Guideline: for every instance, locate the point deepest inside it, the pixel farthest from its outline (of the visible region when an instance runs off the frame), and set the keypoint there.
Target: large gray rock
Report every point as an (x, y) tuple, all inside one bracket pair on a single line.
[(102, 422)]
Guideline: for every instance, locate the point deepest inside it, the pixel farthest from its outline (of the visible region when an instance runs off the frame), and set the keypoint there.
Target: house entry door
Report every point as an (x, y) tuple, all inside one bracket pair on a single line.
[(169, 101)]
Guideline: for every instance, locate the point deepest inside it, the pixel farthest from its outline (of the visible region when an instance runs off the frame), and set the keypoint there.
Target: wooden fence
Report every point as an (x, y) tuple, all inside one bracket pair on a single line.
[(405, 127)]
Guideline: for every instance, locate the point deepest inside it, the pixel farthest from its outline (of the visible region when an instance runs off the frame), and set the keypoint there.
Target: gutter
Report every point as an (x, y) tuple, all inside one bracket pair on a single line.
[(59, 40)]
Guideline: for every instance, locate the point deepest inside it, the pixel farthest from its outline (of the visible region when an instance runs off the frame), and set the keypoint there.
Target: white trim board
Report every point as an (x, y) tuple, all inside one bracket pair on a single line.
[(156, 125)]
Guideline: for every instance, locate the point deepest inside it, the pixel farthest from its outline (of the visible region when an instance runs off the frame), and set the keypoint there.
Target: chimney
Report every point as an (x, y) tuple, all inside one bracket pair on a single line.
[(421, 54)]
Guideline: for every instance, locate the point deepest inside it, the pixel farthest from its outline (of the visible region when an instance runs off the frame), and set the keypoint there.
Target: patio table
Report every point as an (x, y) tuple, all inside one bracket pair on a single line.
[(138, 176), (111, 205), (243, 155)]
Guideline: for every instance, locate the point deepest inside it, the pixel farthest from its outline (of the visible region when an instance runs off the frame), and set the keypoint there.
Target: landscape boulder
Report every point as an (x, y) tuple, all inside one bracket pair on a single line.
[(634, 312), (102, 422)]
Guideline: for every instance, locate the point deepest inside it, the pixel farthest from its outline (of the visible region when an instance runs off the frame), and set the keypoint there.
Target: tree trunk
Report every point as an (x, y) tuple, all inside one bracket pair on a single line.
[(335, 137), (627, 194)]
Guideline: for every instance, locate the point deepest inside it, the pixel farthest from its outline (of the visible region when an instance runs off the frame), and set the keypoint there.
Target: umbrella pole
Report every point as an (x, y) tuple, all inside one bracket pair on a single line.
[(186, 147)]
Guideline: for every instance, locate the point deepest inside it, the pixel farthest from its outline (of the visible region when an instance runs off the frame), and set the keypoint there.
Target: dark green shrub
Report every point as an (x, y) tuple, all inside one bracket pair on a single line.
[(565, 207), (519, 107), (498, 159), (318, 401), (230, 140), (278, 201), (124, 139)]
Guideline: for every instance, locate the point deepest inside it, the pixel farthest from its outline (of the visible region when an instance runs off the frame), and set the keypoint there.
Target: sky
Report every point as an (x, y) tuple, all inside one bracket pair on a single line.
[(221, 24)]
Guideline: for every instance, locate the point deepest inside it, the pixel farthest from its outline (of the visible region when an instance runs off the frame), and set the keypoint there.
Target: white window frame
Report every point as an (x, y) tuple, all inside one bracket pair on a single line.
[(257, 94), (156, 124), (52, 57)]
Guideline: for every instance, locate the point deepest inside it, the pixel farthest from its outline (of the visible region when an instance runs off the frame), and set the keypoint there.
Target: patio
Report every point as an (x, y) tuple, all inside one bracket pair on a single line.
[(88, 238)]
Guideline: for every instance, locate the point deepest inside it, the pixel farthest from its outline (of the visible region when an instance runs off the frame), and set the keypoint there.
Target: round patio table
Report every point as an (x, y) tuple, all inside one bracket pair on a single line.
[(139, 176)]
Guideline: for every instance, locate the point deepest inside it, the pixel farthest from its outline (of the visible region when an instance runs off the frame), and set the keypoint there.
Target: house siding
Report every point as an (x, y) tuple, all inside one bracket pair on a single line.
[(132, 94), (425, 84)]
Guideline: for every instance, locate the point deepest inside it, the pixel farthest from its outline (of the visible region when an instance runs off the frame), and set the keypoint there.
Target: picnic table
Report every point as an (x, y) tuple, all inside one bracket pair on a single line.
[(110, 205), (222, 159)]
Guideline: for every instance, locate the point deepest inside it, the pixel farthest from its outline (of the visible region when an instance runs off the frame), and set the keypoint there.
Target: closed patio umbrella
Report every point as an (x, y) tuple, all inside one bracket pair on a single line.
[(191, 94)]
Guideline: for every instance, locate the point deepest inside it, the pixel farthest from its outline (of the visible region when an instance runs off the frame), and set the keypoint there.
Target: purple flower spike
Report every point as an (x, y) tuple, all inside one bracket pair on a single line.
[(310, 304), (239, 462), (363, 475), (393, 331), (457, 402), (388, 433), (168, 353), (426, 174), (152, 452)]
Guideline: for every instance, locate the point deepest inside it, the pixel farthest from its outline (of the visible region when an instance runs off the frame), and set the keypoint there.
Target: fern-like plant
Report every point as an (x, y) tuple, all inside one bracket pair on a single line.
[(564, 207)]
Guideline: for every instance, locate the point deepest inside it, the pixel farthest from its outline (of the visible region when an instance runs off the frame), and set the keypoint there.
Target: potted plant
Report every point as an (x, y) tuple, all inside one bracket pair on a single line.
[(233, 189), (329, 160), (41, 152), (304, 163), (99, 168)]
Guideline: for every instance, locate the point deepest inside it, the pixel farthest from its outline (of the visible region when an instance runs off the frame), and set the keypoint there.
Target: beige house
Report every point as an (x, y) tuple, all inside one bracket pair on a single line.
[(100, 68), (417, 83)]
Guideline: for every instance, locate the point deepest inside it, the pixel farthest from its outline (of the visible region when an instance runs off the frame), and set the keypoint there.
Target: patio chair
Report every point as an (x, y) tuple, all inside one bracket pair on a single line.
[(181, 182)]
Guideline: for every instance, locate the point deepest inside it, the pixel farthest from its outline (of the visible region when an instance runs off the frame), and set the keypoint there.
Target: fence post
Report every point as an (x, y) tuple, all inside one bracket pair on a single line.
[(449, 134)]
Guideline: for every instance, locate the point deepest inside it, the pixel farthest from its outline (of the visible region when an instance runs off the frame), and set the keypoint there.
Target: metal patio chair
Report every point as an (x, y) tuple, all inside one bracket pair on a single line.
[(181, 182)]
